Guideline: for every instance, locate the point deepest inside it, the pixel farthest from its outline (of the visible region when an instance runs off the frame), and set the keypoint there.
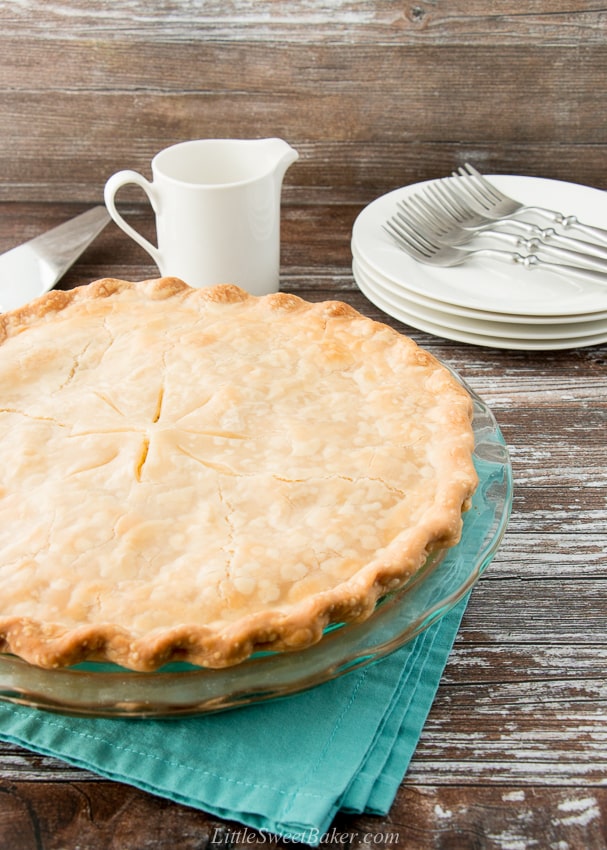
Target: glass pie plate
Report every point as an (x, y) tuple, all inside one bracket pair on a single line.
[(98, 689)]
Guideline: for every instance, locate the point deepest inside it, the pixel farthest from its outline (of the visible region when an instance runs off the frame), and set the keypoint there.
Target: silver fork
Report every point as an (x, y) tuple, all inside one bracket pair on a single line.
[(449, 219), (426, 250), (446, 211), (429, 223), (491, 202)]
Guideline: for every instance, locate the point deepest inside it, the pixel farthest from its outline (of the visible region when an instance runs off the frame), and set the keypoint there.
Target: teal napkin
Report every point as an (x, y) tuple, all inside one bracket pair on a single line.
[(286, 767)]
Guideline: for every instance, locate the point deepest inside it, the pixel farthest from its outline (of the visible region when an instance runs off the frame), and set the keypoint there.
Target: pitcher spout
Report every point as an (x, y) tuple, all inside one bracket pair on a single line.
[(281, 154)]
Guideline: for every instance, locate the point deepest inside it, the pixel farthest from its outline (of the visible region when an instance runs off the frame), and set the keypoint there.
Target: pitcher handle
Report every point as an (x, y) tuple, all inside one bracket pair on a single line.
[(115, 182)]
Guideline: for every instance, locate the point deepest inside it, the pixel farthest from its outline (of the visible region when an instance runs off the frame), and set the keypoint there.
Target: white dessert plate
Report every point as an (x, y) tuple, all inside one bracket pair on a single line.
[(467, 312), (442, 324), (490, 285), (376, 286)]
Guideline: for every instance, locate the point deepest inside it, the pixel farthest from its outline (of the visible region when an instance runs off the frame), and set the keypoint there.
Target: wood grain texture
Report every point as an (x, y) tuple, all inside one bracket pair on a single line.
[(374, 95), (334, 21), (433, 817)]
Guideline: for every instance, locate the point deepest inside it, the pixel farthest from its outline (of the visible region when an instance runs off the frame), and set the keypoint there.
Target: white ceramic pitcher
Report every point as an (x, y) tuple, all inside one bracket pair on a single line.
[(217, 207)]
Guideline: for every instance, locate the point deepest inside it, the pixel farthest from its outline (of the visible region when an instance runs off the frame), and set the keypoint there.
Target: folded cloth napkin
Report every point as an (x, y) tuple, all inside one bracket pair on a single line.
[(285, 767)]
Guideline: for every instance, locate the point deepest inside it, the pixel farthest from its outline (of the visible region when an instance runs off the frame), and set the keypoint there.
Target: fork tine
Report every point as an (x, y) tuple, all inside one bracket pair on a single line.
[(416, 212), (403, 242), (426, 214), (470, 206), (431, 195), (465, 183), (400, 236), (424, 236), (459, 199), (474, 180), (482, 181), (411, 234), (415, 207), (434, 216), (452, 203)]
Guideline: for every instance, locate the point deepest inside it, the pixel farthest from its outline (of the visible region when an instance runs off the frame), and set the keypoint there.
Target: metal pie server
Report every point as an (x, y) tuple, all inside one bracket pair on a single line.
[(31, 269)]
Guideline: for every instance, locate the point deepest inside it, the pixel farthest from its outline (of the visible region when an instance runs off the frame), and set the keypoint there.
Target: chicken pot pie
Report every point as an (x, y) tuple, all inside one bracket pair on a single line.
[(201, 474)]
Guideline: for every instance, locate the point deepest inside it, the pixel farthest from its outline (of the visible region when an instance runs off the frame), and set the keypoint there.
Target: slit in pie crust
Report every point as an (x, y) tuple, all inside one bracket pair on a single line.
[(200, 474)]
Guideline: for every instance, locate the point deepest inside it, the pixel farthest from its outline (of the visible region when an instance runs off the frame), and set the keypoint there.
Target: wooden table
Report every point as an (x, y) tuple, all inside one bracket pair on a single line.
[(514, 752), (374, 94)]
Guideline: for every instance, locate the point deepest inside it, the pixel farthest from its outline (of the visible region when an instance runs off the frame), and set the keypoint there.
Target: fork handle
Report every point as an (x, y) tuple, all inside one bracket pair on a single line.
[(548, 235), (575, 258), (532, 261), (537, 245), (570, 223)]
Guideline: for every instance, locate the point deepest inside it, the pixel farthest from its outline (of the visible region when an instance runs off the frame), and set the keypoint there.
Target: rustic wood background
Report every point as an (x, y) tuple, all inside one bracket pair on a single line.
[(373, 95)]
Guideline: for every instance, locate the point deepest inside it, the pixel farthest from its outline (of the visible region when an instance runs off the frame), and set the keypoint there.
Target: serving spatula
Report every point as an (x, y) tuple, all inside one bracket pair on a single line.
[(31, 269)]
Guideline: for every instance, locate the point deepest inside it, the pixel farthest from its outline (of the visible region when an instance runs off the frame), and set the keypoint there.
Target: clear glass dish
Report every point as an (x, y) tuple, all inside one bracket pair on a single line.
[(180, 689)]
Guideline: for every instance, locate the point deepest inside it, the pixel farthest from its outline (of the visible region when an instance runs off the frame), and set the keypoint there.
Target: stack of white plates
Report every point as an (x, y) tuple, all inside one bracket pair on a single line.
[(486, 302)]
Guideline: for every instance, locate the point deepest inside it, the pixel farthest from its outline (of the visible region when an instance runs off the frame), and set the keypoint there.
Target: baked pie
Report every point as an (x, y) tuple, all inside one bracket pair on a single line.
[(201, 474)]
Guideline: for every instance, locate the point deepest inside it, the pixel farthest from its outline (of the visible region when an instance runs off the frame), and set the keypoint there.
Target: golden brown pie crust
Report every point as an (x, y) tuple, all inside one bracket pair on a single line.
[(200, 474)]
